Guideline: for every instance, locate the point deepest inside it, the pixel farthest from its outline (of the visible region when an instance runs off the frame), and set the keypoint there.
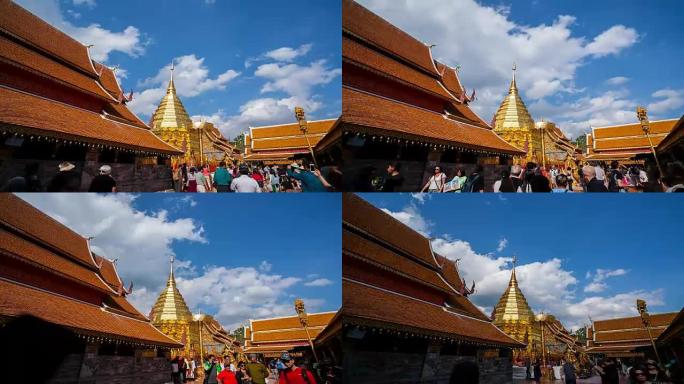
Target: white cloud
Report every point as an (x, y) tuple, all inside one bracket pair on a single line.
[(670, 100), (129, 41), (140, 240), (265, 266), (319, 283), (240, 293), (191, 78), (412, 217), (617, 80), (90, 3), (597, 284), (287, 53), (485, 42), (298, 82), (502, 244), (421, 197)]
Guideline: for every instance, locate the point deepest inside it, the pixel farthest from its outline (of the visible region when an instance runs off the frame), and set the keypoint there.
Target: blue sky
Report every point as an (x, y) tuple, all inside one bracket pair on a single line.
[(561, 244), (238, 258), (580, 64), (239, 63)]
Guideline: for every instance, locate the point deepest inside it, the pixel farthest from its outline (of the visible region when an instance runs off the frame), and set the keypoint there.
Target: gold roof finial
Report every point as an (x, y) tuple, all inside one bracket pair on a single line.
[(514, 86)]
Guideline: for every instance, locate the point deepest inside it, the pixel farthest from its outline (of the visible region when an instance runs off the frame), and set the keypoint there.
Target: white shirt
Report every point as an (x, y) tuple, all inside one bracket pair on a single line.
[(600, 173), (244, 183)]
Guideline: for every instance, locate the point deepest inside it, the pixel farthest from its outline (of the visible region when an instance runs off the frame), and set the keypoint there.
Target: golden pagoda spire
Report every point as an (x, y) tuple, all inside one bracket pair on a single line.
[(514, 123), (172, 123), (512, 309), (170, 305)]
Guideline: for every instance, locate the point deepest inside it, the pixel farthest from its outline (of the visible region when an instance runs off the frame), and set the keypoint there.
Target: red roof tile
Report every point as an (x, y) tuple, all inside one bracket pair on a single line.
[(394, 118), (83, 318), (22, 24), (450, 79), (53, 118), (365, 305), (371, 28), (20, 215), (360, 55), (33, 61)]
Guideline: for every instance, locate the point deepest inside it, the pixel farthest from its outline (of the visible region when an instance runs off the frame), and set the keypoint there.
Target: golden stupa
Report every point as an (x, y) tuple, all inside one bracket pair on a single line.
[(514, 316), (515, 125), (171, 123), (171, 315)]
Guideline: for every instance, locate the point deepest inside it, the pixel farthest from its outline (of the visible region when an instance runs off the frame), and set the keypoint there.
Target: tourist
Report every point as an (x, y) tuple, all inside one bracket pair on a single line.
[(222, 178), (569, 372), (275, 181), (226, 376), (539, 182), (528, 369), (104, 182), (553, 173), (310, 182), (242, 375), (517, 176), (465, 372), (190, 367), (475, 182), (207, 177), (256, 175), (435, 183), (537, 371), (600, 172), (293, 374), (244, 183), (257, 371), (639, 375), (66, 180), (211, 370), (457, 183), (615, 177), (191, 185), (561, 184), (673, 180), (394, 179), (504, 184), (592, 183), (201, 179), (27, 183)]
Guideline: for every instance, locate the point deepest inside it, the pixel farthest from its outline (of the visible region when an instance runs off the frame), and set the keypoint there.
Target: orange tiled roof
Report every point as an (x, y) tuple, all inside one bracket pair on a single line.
[(286, 143), (17, 299), (27, 251), (108, 80), (358, 54), (54, 118), (33, 61), (371, 28), (450, 79), (108, 272), (399, 119), (289, 322), (362, 215), (623, 323), (288, 130), (20, 215), (627, 130), (370, 306), (676, 135), (29, 28), (627, 143)]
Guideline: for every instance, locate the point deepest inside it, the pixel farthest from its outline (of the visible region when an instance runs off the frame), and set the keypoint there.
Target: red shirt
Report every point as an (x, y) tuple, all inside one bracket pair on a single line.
[(226, 377), (294, 376)]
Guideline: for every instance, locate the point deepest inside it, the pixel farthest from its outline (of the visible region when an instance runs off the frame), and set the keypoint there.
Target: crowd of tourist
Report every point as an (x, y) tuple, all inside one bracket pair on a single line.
[(227, 370), (295, 177), (590, 177)]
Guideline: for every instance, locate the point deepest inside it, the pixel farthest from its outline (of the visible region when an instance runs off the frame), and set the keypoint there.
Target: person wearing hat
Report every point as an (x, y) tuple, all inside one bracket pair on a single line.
[(293, 374), (244, 183), (104, 182), (257, 371), (67, 180)]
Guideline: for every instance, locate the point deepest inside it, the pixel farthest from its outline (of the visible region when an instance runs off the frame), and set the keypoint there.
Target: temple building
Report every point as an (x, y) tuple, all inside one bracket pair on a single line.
[(49, 272), (626, 143), (281, 144), (514, 316), (671, 148), (273, 336), (399, 104), (626, 336), (58, 105), (200, 334), (200, 142), (405, 308), (543, 142)]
